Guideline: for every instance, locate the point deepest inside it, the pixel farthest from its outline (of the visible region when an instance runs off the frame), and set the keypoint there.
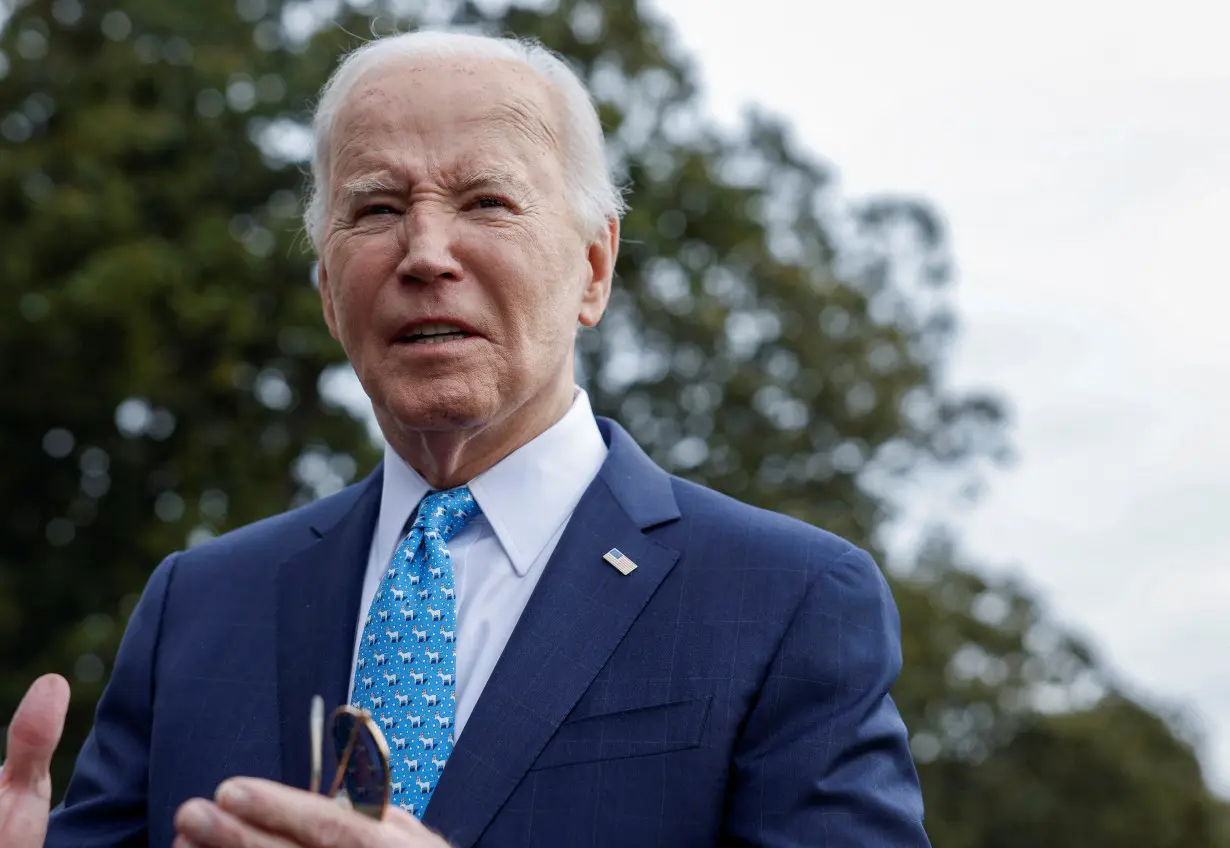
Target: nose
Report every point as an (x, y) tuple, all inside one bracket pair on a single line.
[(427, 243)]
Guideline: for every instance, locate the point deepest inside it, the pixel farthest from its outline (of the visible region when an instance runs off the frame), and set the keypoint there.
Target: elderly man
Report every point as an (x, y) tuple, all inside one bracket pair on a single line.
[(585, 649)]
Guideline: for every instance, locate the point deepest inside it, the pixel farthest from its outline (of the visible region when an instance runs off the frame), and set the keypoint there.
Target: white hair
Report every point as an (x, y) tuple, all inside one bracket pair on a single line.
[(594, 195)]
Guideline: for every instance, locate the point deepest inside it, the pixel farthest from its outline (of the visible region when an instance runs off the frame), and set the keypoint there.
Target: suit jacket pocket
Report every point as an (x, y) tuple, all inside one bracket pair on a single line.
[(638, 732)]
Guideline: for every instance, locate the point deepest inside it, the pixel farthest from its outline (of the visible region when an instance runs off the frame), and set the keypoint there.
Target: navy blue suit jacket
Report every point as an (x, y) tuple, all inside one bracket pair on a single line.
[(732, 690)]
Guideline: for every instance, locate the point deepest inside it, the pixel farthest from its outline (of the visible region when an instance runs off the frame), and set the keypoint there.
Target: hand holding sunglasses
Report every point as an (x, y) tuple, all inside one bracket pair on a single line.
[(249, 811)]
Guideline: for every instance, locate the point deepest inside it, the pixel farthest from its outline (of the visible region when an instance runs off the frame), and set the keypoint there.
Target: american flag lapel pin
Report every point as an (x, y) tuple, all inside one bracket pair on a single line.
[(616, 558)]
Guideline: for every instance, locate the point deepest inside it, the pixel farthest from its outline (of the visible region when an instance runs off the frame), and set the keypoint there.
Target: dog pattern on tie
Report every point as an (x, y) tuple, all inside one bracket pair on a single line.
[(406, 672)]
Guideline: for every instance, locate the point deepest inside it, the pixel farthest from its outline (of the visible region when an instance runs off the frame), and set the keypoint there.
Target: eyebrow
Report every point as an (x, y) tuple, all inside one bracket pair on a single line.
[(487, 177), (367, 185)]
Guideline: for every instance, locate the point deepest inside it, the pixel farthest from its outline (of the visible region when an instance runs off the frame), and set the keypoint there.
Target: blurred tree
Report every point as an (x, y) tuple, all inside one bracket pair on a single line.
[(1113, 775), (1021, 737), (161, 344), (168, 371)]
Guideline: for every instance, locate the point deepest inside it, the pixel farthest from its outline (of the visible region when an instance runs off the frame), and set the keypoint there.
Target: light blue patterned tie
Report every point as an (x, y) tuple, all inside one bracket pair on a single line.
[(407, 663)]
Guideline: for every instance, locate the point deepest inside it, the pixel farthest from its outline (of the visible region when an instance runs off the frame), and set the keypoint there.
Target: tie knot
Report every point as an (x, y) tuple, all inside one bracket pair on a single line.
[(445, 513)]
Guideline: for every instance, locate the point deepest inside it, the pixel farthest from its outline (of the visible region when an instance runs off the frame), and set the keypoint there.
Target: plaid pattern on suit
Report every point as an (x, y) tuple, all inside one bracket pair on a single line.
[(732, 690)]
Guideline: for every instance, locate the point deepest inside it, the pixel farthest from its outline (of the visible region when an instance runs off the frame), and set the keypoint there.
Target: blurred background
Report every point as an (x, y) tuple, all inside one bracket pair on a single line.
[(943, 278)]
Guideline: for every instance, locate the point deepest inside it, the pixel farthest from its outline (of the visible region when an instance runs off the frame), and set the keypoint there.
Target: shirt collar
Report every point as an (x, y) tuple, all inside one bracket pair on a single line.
[(525, 497)]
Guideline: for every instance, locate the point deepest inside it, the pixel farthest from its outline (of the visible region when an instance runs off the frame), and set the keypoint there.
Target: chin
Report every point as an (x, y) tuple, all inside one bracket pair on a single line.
[(437, 407)]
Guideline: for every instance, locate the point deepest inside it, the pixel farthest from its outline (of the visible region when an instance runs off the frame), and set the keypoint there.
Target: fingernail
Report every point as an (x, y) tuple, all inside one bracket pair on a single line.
[(195, 817), (231, 794), (48, 686)]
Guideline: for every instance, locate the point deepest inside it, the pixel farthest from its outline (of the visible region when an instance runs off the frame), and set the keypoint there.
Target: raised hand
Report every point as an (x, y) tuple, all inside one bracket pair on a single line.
[(25, 778)]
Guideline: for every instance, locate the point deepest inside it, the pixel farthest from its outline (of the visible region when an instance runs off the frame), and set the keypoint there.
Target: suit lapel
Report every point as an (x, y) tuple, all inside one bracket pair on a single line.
[(319, 591), (577, 616)]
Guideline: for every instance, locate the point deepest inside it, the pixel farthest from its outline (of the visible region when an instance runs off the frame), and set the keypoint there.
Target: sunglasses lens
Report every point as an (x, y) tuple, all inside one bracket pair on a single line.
[(365, 773)]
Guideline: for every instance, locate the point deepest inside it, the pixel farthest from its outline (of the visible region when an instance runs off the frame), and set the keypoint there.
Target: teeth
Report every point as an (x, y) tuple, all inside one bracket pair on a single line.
[(436, 333), (436, 330)]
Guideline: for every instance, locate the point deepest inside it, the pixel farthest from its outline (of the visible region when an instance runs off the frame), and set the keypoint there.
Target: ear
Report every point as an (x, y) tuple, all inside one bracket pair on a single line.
[(601, 255), (326, 296)]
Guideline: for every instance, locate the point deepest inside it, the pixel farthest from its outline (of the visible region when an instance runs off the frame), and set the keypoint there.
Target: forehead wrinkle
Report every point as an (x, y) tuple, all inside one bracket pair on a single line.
[(371, 140), (509, 151), (526, 119)]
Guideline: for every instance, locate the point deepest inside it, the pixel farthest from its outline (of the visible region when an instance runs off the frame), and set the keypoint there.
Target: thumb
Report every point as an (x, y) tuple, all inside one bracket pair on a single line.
[(404, 824), (35, 731), (401, 820)]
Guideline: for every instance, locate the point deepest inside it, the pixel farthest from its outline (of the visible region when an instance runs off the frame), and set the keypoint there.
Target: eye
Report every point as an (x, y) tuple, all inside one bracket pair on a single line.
[(377, 209), (489, 202)]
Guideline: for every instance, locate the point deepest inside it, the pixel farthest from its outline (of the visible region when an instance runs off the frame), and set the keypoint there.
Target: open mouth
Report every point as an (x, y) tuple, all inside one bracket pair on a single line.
[(434, 334)]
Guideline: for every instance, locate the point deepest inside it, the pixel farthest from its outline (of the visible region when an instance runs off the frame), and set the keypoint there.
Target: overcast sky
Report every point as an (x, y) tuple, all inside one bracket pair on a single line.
[(1080, 154)]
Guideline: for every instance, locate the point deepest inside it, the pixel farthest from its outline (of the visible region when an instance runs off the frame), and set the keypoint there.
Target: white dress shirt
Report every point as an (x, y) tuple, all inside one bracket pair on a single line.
[(498, 557)]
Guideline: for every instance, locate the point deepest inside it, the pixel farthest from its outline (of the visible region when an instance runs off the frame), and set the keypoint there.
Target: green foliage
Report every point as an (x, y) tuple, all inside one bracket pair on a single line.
[(1020, 736), (166, 367), (159, 335), (1113, 775)]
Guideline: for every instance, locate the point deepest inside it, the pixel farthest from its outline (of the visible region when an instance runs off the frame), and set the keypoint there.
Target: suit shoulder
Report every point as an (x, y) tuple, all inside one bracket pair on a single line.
[(729, 523)]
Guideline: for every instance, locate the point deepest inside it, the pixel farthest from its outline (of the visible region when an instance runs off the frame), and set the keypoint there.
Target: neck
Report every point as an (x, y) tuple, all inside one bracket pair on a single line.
[(453, 457)]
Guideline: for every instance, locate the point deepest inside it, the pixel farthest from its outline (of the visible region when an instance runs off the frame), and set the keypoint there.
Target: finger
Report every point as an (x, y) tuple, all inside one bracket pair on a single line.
[(202, 824), (395, 818), (305, 819), (35, 732)]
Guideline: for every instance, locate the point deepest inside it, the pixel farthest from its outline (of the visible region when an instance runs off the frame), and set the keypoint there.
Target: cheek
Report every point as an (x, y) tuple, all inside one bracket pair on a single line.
[(504, 270), (558, 289), (357, 273), (535, 277)]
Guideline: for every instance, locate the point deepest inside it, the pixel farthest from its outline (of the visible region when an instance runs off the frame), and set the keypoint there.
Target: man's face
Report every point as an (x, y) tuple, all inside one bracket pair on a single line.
[(448, 210)]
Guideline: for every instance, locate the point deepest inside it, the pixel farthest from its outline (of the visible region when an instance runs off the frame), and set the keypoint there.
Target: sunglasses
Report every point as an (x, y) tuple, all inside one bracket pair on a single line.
[(363, 779)]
